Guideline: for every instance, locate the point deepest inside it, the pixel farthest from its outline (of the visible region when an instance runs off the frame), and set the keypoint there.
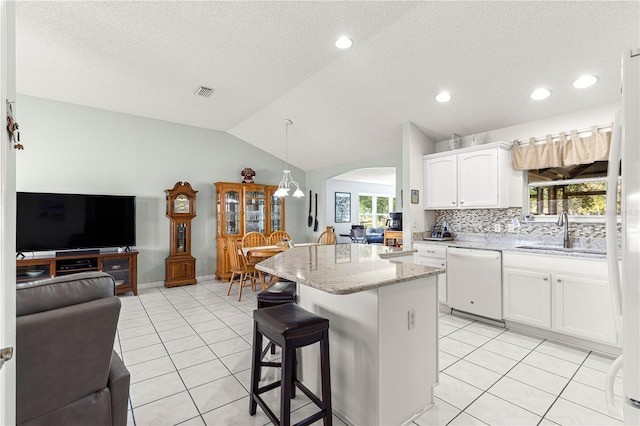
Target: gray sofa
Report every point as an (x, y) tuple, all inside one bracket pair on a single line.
[(67, 372)]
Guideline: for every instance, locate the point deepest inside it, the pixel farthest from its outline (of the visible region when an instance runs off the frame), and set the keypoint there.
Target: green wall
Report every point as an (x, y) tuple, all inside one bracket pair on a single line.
[(75, 149)]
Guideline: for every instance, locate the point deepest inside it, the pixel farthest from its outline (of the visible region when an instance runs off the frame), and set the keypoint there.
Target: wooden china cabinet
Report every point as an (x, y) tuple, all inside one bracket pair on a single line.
[(243, 208)]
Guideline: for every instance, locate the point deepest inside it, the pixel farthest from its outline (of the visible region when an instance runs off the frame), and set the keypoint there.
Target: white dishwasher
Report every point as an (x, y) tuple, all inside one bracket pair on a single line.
[(474, 281)]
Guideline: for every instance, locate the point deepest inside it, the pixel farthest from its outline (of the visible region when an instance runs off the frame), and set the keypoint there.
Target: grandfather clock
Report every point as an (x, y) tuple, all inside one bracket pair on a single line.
[(181, 208)]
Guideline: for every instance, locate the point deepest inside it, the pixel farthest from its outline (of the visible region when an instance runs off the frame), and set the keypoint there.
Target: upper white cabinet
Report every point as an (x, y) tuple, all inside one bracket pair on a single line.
[(474, 177)]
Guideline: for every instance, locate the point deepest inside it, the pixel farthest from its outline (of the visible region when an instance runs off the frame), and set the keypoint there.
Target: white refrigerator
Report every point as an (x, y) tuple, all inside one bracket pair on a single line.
[(625, 281)]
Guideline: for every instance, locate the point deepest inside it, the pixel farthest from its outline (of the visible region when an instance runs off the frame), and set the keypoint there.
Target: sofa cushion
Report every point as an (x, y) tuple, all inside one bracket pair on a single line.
[(63, 290)]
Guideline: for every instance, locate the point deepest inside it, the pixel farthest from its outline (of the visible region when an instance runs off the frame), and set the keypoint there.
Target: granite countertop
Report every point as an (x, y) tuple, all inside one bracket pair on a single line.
[(344, 268), (523, 247)]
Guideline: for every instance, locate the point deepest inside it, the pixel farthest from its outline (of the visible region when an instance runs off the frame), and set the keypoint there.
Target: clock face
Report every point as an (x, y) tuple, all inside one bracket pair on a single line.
[(181, 204)]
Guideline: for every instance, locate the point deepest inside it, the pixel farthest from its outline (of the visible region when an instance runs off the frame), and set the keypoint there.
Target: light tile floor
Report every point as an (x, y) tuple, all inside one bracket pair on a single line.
[(188, 350)]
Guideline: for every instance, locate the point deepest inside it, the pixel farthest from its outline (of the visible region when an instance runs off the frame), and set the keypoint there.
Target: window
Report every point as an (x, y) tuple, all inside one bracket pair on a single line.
[(580, 190), (374, 210)]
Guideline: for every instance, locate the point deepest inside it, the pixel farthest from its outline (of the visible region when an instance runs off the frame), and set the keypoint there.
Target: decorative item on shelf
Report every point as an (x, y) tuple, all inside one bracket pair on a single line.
[(247, 175), (35, 273), (287, 180), (474, 140), (181, 209), (454, 142), (12, 127)]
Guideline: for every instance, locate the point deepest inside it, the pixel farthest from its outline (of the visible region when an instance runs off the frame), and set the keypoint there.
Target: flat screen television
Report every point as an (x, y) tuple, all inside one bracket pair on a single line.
[(47, 221)]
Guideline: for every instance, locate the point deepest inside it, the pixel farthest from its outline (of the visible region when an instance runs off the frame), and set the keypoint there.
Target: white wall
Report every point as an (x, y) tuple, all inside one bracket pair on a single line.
[(415, 144), (355, 189), (75, 149), (7, 214), (581, 119), (316, 181)]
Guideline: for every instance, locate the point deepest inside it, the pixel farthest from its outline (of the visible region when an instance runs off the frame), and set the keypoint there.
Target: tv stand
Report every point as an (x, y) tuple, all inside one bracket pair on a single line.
[(123, 267)]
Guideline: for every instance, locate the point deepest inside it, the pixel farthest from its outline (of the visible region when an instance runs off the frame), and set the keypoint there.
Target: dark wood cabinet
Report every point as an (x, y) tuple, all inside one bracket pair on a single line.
[(181, 209), (123, 267)]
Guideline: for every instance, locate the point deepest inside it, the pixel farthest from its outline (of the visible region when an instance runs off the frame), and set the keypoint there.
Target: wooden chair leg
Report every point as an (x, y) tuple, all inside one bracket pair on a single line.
[(230, 283), (242, 279)]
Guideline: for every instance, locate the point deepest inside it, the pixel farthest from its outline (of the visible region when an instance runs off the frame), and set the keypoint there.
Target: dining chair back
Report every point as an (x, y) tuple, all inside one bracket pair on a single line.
[(327, 237), (254, 239), (358, 235), (278, 236), (237, 267)]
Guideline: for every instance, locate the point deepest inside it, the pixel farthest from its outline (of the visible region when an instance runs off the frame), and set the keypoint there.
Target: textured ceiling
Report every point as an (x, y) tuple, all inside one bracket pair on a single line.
[(268, 61)]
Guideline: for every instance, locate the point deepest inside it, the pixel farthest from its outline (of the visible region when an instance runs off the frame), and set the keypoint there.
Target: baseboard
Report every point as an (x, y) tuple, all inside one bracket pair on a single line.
[(155, 284), (584, 344)]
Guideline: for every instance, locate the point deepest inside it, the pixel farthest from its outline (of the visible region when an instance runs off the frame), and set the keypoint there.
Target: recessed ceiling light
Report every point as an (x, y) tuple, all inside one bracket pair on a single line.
[(344, 42), (443, 96), (584, 81), (540, 94)]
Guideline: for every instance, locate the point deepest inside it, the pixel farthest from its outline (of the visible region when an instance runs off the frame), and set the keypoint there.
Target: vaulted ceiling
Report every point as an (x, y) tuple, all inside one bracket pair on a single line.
[(268, 61)]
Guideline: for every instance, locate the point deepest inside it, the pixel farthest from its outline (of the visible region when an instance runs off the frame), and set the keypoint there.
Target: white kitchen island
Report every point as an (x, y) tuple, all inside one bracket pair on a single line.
[(383, 328)]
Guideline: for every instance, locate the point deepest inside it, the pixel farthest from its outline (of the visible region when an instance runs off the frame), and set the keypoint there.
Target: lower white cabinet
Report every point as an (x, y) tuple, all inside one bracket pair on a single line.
[(564, 294), (436, 256), (583, 308), (527, 297)]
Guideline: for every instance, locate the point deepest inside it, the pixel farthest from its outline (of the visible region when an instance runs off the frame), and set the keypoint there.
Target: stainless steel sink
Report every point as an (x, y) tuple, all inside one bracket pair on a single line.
[(563, 249)]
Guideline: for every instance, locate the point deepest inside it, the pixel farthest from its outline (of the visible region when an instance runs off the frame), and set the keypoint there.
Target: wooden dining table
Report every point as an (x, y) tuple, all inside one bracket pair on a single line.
[(258, 254)]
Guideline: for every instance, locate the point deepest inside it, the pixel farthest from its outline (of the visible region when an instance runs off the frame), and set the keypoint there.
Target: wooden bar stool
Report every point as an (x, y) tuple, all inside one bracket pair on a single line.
[(284, 291), (290, 327)]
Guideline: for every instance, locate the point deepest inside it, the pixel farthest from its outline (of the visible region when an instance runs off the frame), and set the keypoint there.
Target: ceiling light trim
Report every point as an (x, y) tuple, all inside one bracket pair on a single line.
[(540, 94), (444, 96), (585, 81), (344, 42)]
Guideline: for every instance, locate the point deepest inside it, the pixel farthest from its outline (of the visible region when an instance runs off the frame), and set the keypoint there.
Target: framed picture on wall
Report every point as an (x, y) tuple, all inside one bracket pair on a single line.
[(415, 196), (343, 207)]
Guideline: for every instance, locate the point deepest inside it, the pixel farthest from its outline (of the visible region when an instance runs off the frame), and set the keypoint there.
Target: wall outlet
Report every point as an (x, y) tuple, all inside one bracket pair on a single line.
[(497, 227), (511, 227), (411, 318)]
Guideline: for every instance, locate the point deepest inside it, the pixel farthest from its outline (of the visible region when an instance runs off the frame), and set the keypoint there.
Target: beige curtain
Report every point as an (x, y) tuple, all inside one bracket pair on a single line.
[(562, 152)]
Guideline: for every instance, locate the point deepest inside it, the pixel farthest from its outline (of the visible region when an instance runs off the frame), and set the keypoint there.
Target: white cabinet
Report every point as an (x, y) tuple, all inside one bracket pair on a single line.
[(583, 308), (527, 297), (441, 182), (564, 294), (436, 256), (474, 177)]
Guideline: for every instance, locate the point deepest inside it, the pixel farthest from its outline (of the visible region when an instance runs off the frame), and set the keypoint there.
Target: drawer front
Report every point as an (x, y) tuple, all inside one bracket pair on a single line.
[(431, 250)]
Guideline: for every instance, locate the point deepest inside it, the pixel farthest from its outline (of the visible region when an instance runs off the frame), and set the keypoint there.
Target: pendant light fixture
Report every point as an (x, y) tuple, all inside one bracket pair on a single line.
[(287, 180)]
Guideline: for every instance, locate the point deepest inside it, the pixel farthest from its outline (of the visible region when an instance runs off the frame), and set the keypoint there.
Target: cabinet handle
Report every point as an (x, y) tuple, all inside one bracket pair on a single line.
[(461, 201), (453, 202), (559, 280), (430, 251), (545, 279)]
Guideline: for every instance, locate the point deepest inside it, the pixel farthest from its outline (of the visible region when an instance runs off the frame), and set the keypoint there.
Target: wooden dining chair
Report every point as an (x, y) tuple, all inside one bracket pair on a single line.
[(237, 267), (327, 237), (278, 236), (254, 239)]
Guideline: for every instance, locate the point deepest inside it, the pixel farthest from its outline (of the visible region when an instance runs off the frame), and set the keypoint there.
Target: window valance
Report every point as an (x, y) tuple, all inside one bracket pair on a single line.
[(561, 151)]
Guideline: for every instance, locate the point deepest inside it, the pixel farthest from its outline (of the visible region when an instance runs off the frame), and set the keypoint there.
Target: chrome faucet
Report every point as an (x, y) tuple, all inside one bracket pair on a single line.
[(563, 220)]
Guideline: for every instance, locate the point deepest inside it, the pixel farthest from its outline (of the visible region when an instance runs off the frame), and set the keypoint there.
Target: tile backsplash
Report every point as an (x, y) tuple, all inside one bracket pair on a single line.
[(480, 223)]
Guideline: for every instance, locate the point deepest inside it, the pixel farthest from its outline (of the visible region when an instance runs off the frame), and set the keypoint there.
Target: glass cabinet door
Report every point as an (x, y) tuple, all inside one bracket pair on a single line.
[(254, 211), (232, 213), (275, 219)]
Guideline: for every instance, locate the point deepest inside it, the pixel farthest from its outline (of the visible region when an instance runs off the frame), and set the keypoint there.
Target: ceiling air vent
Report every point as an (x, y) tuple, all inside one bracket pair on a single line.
[(204, 91)]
